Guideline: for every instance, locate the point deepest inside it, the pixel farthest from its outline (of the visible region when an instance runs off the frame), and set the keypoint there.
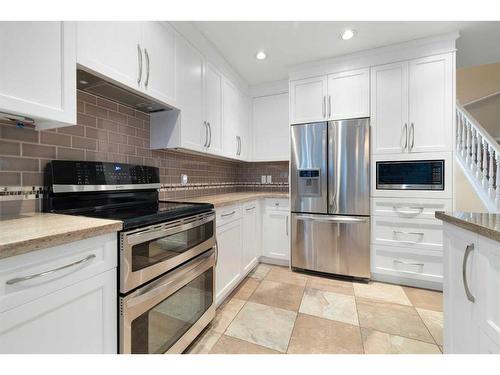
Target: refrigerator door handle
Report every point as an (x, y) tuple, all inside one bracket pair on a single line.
[(333, 219)]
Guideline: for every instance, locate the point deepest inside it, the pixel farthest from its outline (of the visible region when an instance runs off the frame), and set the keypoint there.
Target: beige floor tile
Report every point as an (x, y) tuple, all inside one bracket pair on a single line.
[(391, 318), (284, 275), (425, 299), (204, 343), (246, 288), (313, 335), (260, 271), (231, 345), (381, 292), (330, 285), (376, 342), (225, 315), (282, 295), (329, 305), (263, 325), (434, 322)]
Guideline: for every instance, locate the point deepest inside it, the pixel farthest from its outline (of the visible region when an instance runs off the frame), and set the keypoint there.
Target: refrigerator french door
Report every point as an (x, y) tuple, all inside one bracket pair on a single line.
[(330, 197)]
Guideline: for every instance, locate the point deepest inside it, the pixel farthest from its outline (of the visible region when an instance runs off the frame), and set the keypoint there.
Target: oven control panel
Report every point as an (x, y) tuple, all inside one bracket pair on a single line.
[(68, 172)]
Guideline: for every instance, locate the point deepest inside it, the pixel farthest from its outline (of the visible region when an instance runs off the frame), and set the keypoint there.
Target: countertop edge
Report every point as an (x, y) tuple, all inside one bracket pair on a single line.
[(467, 225)]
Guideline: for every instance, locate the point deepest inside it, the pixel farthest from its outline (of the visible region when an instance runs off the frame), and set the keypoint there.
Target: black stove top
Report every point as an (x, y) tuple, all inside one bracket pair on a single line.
[(112, 191)]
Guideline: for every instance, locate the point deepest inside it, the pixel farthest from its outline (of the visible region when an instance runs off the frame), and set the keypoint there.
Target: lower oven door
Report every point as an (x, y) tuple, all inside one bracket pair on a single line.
[(146, 253), (166, 315)]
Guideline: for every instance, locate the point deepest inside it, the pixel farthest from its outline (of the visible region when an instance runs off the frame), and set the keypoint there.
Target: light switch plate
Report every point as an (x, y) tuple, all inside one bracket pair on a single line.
[(184, 179), (263, 179), (269, 179)]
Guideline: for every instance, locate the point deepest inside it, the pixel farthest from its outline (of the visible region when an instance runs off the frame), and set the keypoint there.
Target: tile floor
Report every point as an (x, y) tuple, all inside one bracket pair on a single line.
[(276, 311)]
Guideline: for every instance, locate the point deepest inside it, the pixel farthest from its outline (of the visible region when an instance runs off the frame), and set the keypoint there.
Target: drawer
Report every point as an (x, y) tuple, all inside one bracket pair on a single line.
[(227, 214), (409, 208), (413, 233), (407, 263), (70, 263), (250, 206), (280, 204)]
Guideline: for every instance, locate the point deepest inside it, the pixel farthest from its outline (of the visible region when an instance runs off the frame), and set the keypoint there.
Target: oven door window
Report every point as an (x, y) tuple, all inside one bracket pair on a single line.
[(157, 329), (146, 254)]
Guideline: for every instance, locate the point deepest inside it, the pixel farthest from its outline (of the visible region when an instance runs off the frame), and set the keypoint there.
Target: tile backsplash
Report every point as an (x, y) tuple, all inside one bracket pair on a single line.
[(107, 131)]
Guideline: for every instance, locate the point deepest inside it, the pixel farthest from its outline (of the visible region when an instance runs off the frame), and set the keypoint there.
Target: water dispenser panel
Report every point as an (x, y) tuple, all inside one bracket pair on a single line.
[(309, 183)]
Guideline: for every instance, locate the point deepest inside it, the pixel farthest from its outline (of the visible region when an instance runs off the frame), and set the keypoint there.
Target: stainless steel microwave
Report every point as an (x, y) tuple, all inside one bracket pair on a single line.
[(410, 175)]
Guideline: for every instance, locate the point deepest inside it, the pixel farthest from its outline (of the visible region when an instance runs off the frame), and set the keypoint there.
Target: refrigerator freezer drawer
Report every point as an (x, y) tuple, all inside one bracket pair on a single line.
[(332, 244)]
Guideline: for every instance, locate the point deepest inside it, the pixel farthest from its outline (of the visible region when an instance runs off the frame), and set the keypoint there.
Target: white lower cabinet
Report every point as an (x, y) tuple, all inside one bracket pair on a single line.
[(276, 230), (70, 310), (250, 231), (471, 284)]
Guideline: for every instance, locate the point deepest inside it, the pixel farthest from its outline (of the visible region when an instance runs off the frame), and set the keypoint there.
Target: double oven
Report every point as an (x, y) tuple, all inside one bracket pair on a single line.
[(167, 284)]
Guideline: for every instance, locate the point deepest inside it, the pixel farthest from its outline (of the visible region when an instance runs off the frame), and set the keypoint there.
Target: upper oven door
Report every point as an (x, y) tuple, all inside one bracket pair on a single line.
[(149, 252)]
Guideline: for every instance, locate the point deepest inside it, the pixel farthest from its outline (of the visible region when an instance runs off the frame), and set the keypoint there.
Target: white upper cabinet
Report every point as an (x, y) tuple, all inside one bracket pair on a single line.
[(243, 131), (138, 55), (213, 109), (348, 95), (270, 128), (431, 104), (389, 108), (38, 72), (308, 100), (230, 120)]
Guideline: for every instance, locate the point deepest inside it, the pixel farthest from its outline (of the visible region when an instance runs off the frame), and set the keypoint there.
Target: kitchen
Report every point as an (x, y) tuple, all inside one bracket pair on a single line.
[(153, 201)]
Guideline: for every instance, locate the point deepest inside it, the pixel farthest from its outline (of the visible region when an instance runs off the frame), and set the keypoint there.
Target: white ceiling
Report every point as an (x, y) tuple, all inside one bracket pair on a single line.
[(289, 43)]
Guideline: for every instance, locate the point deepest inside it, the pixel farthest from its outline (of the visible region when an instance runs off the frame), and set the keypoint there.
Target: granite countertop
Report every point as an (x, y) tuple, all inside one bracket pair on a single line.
[(219, 200), (34, 231), (484, 224)]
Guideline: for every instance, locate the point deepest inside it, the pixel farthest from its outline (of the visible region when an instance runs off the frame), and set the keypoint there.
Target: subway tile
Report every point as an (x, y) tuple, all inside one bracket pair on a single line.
[(82, 119), (55, 139), (86, 97), (117, 158), (107, 147), (96, 133), (39, 150), (128, 130), (86, 143), (142, 115), (133, 121), (107, 125), (10, 179), (126, 149), (117, 138), (117, 117), (19, 134), (32, 178), (78, 130), (108, 104), (80, 106), (135, 141), (146, 153), (9, 148), (135, 160), (70, 153), (93, 110), (142, 133), (96, 156), (18, 164), (127, 110)]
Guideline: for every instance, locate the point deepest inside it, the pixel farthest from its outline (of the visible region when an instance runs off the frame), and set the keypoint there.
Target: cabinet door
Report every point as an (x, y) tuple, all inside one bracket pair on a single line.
[(79, 319), (275, 232), (213, 113), (250, 232), (244, 131), (431, 104), (38, 71), (488, 299), (113, 49), (348, 95), (159, 61), (389, 108), (270, 128), (230, 119), (194, 133), (308, 100), (228, 269), (461, 328)]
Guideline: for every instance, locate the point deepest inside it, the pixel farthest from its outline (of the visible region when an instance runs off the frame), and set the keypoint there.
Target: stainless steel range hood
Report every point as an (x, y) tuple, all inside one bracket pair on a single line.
[(98, 86)]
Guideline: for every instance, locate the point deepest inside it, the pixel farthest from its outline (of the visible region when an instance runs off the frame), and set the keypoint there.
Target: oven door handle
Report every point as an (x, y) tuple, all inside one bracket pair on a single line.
[(150, 295)]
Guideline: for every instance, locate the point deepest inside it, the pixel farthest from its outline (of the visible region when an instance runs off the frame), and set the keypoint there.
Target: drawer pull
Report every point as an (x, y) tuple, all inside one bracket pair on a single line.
[(229, 214), (468, 293), (408, 263), (250, 208), (419, 208), (29, 277), (396, 232)]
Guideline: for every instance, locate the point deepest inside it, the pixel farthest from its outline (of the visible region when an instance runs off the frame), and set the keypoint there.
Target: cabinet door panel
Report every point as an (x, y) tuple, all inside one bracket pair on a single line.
[(308, 100), (270, 128), (431, 104), (389, 108), (275, 232), (190, 93), (159, 44), (348, 95), (228, 269), (38, 71), (230, 122), (250, 232), (111, 48), (213, 113)]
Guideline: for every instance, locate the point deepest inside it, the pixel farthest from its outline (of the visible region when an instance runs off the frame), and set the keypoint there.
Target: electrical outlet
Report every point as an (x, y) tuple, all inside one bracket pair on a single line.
[(269, 179), (263, 179), (184, 179)]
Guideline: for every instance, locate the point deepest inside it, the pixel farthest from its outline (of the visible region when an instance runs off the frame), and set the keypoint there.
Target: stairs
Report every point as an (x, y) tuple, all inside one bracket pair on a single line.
[(478, 153)]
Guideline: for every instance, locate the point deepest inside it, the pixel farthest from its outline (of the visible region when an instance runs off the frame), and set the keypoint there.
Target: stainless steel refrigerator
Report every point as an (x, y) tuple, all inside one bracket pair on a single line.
[(330, 197)]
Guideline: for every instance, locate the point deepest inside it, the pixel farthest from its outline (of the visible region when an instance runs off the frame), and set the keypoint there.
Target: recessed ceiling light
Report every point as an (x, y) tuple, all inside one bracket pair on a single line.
[(83, 82), (347, 34), (261, 55)]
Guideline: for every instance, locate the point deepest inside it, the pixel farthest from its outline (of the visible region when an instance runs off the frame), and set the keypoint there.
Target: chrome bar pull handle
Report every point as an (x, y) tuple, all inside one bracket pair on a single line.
[(209, 134), (468, 293), (324, 107), (49, 272), (405, 132), (412, 132), (250, 208), (147, 67), (329, 106), (408, 263), (229, 214), (206, 133), (139, 56)]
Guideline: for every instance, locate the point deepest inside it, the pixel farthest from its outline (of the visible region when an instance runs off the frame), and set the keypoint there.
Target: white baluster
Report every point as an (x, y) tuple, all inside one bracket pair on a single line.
[(497, 183), (459, 131), (491, 182), (473, 150), (479, 154), (485, 165)]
